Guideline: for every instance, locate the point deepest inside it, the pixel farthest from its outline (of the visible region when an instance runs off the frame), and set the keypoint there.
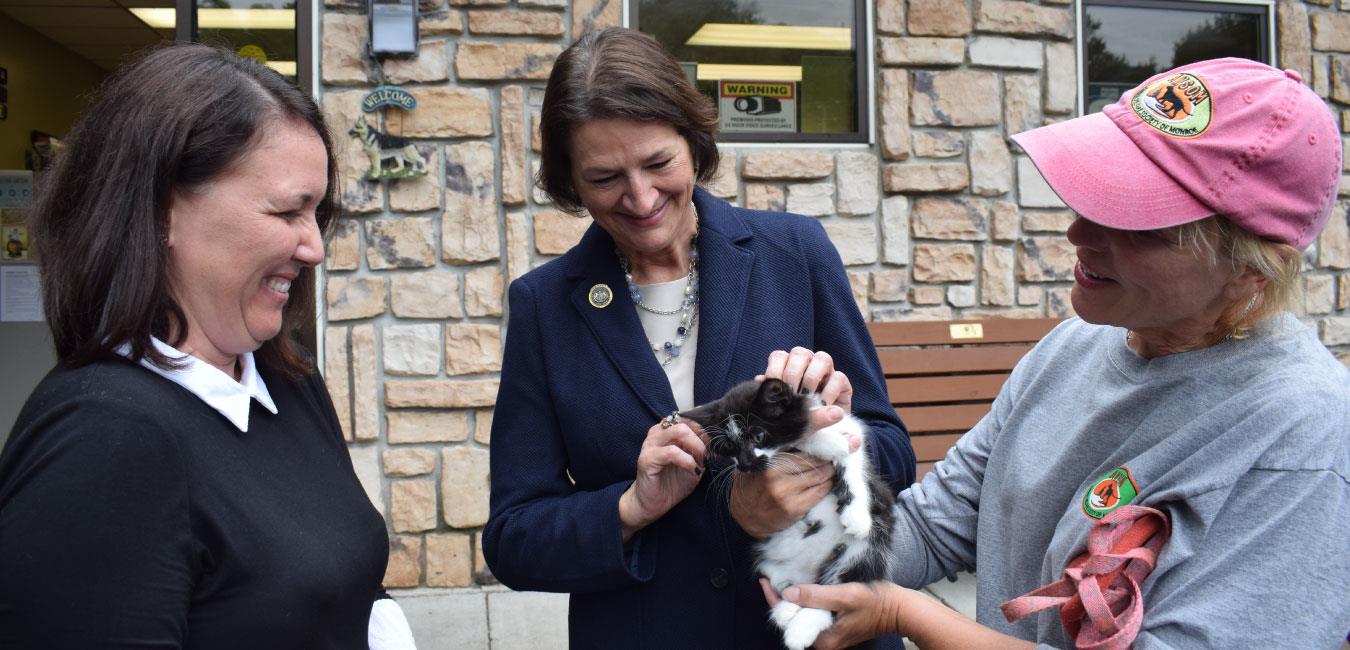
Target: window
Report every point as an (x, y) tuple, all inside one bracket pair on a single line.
[(272, 32), (1127, 41), (785, 71)]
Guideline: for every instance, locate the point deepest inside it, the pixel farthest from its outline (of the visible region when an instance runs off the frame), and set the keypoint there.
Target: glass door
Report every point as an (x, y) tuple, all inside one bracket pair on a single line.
[(273, 32)]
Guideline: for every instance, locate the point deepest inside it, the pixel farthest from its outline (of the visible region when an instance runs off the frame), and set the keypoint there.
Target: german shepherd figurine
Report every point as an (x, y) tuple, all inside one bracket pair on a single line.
[(382, 146)]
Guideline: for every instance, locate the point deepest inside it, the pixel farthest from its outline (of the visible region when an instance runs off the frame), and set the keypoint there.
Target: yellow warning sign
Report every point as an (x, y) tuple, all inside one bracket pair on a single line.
[(752, 89), (764, 106)]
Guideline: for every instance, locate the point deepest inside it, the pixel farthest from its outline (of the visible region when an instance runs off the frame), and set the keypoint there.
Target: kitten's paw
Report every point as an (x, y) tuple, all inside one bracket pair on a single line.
[(805, 627), (783, 613), (827, 444), (857, 521)]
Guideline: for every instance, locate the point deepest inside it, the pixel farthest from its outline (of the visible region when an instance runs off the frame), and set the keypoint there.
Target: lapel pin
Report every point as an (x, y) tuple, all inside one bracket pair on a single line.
[(600, 296)]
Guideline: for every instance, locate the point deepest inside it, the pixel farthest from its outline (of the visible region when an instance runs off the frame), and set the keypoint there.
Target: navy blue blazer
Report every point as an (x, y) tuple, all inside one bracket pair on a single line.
[(579, 389)]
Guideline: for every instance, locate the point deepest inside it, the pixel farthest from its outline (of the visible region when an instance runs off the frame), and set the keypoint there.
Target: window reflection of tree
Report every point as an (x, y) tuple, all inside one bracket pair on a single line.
[(1106, 66), (672, 23), (1222, 35)]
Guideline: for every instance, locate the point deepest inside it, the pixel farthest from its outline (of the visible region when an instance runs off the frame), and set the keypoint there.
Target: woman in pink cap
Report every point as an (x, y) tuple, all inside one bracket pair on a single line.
[(1169, 469)]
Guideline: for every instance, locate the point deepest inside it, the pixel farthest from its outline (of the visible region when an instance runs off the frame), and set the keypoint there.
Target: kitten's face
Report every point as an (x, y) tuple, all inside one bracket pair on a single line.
[(753, 421)]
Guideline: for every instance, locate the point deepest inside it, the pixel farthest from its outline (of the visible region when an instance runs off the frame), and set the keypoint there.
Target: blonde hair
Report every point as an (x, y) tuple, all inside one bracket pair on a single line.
[(1219, 241)]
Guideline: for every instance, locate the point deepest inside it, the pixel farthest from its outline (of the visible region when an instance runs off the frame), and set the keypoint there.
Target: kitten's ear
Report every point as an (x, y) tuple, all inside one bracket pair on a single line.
[(703, 415), (774, 391)]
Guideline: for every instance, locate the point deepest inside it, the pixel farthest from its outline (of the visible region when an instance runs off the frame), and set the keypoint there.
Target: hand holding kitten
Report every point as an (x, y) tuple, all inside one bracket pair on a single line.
[(763, 504), (814, 371), (862, 610)]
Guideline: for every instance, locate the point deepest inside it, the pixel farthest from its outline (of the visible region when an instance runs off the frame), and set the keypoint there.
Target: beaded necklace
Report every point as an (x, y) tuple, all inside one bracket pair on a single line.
[(687, 309)]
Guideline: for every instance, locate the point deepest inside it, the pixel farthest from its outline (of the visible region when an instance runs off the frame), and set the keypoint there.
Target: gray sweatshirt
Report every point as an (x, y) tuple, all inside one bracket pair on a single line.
[(1243, 445)]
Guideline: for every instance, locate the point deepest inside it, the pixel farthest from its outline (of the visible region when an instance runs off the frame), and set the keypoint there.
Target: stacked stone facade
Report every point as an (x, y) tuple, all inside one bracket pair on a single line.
[(941, 217)]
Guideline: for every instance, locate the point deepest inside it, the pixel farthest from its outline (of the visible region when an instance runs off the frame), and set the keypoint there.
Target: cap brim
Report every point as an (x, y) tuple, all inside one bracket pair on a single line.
[(1099, 173)]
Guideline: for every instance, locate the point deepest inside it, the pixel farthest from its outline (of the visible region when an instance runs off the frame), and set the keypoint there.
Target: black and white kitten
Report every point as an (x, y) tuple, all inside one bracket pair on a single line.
[(844, 538)]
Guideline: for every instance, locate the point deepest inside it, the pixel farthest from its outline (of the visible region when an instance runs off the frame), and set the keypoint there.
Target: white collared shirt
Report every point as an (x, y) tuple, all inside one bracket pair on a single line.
[(219, 390)]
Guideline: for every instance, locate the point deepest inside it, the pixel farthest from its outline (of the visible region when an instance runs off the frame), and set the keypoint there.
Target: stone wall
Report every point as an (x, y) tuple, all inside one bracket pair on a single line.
[(940, 218)]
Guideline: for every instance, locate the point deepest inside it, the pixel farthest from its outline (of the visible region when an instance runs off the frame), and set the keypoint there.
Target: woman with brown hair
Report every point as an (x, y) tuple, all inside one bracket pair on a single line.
[(671, 297), (180, 478)]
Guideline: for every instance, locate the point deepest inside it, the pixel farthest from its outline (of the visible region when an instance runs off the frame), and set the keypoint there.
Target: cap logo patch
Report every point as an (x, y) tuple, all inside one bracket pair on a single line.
[(1178, 105), (1115, 489)]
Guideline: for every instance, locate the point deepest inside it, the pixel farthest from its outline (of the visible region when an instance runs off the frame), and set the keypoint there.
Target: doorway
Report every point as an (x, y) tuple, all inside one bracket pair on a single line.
[(53, 54)]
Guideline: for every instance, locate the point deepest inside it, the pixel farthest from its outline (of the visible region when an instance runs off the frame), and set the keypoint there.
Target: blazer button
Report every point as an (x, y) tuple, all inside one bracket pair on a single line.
[(719, 578)]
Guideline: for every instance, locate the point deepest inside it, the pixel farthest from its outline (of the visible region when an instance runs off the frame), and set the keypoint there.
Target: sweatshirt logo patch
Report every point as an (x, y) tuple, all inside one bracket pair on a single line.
[(1111, 491), (1178, 105)]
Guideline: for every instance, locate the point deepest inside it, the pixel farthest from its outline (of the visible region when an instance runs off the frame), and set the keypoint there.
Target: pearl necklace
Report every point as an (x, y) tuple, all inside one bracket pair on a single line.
[(687, 309)]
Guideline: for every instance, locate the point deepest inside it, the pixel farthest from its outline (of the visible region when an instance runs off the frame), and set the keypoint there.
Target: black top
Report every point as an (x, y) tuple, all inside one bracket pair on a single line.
[(134, 514)]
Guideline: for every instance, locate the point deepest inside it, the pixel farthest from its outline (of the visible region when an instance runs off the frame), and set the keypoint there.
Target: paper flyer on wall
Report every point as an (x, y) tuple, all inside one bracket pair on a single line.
[(16, 195), (20, 296)]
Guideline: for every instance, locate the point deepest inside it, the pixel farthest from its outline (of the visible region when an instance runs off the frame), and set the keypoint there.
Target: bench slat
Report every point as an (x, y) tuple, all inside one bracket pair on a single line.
[(921, 470), (1001, 330), (951, 417), (930, 361), (932, 448), (922, 362), (928, 390)]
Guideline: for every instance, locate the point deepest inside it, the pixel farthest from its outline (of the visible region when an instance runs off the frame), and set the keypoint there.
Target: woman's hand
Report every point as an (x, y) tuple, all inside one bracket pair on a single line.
[(763, 504), (861, 611), (814, 371), (866, 611), (668, 468)]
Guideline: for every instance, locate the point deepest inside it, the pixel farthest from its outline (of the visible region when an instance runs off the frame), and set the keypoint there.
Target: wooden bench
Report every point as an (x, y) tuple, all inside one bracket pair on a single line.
[(943, 376)]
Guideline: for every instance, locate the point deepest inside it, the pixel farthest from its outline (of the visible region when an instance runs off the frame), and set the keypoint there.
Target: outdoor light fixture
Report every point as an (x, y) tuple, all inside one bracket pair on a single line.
[(393, 27)]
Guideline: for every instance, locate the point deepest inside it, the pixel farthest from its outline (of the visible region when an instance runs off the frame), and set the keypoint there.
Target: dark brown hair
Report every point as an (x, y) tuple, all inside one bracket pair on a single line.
[(169, 122), (618, 73)]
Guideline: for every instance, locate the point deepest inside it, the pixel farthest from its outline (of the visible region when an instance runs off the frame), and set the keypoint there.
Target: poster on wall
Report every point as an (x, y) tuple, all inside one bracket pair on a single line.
[(16, 194), (20, 296), (757, 106), (16, 188), (13, 236)]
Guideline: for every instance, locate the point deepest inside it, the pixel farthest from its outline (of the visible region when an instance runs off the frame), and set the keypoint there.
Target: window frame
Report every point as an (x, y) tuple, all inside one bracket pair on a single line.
[(185, 31), (864, 96), (1268, 47)]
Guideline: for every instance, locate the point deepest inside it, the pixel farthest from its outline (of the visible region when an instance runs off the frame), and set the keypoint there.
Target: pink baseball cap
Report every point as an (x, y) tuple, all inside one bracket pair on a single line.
[(1228, 136)]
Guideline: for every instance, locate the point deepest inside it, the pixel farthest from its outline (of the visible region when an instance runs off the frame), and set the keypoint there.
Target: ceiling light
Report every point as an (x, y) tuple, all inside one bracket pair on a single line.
[(789, 37), (286, 68), (715, 71), (163, 18)]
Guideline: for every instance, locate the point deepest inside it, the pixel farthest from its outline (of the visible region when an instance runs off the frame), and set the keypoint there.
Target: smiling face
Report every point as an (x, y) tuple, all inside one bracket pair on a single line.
[(237, 243), (1149, 282), (637, 181)]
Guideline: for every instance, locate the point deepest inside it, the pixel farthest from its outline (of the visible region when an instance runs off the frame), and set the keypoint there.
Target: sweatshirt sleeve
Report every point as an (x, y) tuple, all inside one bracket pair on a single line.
[(937, 518), (841, 331), (1271, 566), (543, 533), (95, 535)]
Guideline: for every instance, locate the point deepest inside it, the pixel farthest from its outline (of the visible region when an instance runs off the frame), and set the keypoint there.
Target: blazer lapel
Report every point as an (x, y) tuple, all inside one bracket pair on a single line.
[(724, 280), (616, 326)]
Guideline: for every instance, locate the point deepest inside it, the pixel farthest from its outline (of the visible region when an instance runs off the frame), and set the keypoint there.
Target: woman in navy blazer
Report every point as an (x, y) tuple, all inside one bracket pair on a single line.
[(590, 495)]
